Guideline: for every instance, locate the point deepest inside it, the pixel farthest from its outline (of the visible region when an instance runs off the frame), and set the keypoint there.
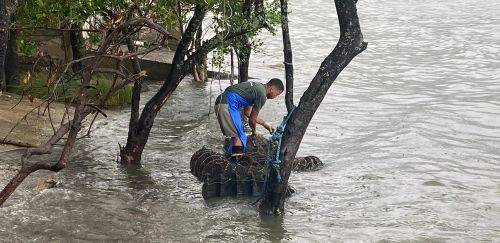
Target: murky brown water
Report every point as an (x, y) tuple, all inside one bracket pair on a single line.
[(410, 135)]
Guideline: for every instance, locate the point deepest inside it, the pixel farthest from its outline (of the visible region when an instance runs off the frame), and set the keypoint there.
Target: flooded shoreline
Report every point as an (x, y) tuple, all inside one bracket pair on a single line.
[(409, 135)]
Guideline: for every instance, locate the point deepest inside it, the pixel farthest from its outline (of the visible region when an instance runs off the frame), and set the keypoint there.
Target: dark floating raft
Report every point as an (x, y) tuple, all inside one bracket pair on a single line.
[(223, 178)]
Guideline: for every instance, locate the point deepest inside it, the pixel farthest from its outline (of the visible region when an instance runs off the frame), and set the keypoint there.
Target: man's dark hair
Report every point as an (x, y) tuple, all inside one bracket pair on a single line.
[(276, 82)]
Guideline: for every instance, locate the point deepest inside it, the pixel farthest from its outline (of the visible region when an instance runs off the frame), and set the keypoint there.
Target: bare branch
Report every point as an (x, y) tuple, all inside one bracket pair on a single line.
[(97, 109), (50, 117), (18, 27), (15, 143), (22, 119), (143, 52), (109, 70)]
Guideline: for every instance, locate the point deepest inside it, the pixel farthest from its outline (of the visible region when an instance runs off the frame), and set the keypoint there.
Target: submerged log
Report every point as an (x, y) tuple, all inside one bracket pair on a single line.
[(222, 178)]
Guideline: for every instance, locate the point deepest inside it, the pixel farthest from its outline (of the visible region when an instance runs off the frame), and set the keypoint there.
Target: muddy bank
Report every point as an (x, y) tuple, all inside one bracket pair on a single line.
[(29, 123)]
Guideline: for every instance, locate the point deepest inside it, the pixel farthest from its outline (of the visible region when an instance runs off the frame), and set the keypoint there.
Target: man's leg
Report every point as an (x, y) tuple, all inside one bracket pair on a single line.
[(237, 147), (237, 141), (228, 128)]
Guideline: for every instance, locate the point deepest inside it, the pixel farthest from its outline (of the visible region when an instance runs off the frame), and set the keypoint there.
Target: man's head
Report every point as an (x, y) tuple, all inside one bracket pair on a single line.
[(274, 88)]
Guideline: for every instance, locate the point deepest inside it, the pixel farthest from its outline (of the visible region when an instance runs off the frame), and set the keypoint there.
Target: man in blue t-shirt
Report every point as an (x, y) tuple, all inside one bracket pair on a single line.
[(251, 97)]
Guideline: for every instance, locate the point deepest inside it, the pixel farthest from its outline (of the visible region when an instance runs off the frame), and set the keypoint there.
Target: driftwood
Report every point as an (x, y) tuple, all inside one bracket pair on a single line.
[(222, 178)]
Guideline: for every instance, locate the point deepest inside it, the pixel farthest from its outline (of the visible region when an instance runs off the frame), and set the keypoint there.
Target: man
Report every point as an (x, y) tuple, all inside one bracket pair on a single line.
[(251, 97)]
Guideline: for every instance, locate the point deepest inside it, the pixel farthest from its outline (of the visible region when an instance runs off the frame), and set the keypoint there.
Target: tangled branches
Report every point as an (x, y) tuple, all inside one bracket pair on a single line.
[(120, 31)]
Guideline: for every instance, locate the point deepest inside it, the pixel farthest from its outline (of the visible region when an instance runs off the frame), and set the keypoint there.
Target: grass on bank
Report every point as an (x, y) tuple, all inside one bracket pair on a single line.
[(39, 86)]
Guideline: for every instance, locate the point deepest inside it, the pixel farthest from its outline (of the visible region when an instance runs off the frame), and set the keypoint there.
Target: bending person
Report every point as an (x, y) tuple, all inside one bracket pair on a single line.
[(249, 97)]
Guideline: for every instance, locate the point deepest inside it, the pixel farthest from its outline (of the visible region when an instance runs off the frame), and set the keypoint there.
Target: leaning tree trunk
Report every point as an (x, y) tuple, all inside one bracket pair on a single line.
[(349, 45)]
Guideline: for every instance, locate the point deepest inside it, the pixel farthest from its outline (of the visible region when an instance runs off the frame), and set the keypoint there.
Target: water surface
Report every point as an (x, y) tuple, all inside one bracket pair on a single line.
[(409, 134)]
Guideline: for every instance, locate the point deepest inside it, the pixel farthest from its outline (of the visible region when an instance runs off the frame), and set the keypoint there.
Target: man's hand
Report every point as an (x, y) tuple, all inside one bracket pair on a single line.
[(254, 137), (269, 127)]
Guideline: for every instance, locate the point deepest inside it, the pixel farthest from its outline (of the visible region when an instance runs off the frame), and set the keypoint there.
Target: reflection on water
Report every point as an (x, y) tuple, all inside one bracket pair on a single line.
[(409, 135)]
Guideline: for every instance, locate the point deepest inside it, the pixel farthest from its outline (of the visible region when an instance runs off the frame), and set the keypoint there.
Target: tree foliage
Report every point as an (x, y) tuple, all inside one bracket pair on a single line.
[(227, 16)]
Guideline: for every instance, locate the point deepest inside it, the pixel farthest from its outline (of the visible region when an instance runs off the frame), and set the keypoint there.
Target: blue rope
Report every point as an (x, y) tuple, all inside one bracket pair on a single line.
[(275, 164)]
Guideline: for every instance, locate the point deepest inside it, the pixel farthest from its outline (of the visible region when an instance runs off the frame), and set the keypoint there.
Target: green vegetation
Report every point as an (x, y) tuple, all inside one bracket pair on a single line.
[(226, 15), (39, 85), (102, 85), (35, 15)]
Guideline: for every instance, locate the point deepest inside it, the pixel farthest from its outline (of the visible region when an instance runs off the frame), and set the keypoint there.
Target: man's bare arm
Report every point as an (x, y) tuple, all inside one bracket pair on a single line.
[(248, 110), (248, 113), (254, 116)]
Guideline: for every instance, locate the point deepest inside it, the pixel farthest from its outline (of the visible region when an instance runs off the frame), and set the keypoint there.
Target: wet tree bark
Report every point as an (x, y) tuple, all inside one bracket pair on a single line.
[(136, 90), (349, 45), (287, 51)]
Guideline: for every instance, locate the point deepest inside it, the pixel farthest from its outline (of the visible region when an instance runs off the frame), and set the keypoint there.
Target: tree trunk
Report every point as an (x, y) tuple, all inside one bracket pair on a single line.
[(12, 60), (77, 45), (130, 150), (243, 58), (244, 47), (136, 91), (287, 51), (200, 69), (349, 45), (179, 17), (66, 42), (231, 78), (138, 136), (4, 38)]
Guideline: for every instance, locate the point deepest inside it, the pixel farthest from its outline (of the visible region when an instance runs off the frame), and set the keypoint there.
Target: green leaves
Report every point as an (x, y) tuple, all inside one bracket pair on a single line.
[(226, 16), (230, 16), (26, 47)]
